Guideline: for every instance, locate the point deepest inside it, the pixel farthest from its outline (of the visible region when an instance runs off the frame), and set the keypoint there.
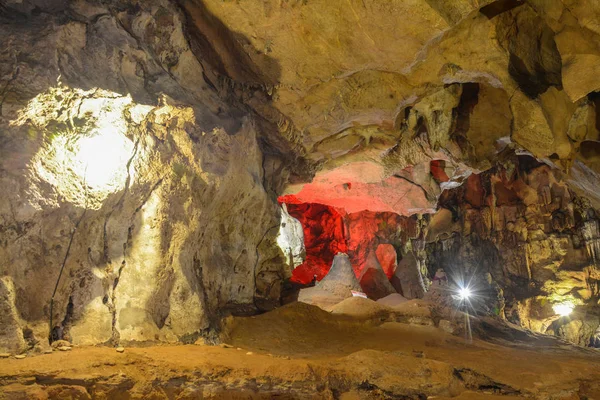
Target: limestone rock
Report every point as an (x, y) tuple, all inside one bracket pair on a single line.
[(291, 238), (60, 343), (11, 337), (416, 312), (375, 283), (336, 286), (360, 307), (520, 267), (407, 279), (340, 280), (446, 326), (143, 146)]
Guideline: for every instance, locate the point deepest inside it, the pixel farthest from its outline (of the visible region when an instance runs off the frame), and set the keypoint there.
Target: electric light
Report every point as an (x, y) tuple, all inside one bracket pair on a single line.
[(464, 293), (563, 309)]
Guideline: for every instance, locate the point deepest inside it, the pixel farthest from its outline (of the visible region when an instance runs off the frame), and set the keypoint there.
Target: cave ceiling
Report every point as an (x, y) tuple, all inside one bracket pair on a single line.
[(403, 83), (396, 83)]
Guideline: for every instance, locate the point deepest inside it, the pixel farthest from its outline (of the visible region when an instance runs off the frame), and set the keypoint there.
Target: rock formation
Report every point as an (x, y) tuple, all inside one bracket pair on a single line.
[(145, 146), (336, 286)]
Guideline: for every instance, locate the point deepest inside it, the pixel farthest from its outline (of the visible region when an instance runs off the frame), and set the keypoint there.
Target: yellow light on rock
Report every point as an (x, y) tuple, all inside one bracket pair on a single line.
[(563, 309), (86, 150)]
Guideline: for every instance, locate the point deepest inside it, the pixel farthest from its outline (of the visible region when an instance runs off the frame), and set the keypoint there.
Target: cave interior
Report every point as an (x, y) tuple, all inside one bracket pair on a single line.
[(300, 199)]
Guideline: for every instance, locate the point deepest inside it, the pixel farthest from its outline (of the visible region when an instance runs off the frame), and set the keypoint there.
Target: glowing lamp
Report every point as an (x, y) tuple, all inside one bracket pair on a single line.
[(464, 293), (563, 309)]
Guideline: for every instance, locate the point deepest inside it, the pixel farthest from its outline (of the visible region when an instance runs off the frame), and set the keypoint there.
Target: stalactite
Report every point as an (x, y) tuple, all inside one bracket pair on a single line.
[(591, 236)]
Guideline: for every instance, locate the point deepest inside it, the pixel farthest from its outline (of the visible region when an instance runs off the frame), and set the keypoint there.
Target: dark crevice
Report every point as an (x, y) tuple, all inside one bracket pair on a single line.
[(214, 43), (594, 98), (499, 7), (462, 115), (211, 333), (475, 381), (119, 204), (115, 334), (51, 327), (534, 60), (374, 390)]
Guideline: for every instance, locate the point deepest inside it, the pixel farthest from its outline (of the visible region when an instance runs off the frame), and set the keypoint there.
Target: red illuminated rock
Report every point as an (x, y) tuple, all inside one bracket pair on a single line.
[(386, 255), (363, 186), (323, 237), (373, 280), (438, 172)]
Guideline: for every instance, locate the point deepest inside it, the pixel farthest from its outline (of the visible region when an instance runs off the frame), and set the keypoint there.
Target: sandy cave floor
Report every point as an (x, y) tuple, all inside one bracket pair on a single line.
[(301, 351)]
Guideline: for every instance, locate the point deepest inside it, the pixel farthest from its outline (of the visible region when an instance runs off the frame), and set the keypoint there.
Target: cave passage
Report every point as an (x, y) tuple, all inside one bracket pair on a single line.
[(364, 236)]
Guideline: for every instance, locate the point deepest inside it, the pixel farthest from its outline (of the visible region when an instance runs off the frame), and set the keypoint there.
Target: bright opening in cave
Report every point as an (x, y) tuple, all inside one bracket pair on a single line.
[(86, 153)]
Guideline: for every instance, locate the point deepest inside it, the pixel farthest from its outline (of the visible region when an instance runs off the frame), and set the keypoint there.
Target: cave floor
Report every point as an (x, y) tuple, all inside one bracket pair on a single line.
[(297, 353)]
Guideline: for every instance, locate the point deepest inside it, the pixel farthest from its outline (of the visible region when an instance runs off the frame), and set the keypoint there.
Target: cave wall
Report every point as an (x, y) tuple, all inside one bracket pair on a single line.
[(374, 241), (528, 241), (517, 234), (222, 107), (324, 237), (161, 258), (184, 233)]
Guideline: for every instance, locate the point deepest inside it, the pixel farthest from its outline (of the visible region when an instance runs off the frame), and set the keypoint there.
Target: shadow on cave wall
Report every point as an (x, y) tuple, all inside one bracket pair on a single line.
[(534, 61)]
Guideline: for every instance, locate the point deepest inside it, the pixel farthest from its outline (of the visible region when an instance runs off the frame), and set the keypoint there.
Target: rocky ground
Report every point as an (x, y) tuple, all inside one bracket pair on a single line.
[(300, 351)]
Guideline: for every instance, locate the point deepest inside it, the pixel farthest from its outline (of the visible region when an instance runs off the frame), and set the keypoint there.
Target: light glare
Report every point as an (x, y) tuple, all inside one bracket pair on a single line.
[(464, 293), (563, 309), (86, 153), (101, 160)]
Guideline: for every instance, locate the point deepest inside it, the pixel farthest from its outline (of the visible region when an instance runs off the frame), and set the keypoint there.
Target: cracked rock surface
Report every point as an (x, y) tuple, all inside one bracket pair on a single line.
[(464, 129)]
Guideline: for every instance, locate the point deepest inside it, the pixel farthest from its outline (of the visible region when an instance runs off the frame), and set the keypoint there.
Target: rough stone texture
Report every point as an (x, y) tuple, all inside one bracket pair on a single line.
[(291, 239), (516, 234), (349, 84), (185, 233), (323, 238), (373, 280), (528, 242), (11, 337), (225, 105), (336, 286)]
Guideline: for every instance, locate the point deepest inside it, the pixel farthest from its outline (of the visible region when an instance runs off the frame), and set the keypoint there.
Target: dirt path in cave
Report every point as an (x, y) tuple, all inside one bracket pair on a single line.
[(300, 351)]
